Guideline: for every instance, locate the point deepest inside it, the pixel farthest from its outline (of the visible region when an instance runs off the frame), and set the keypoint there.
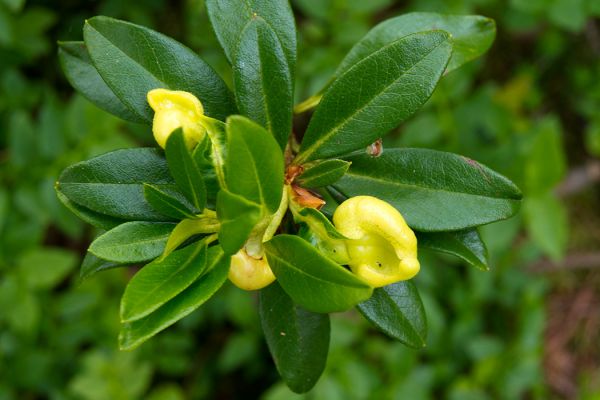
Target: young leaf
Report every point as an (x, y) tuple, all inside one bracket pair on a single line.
[(263, 81), (323, 173), (137, 332), (397, 311), (376, 95), (132, 242), (254, 168), (83, 76), (298, 339), (161, 280), (133, 60), (188, 228), (168, 203), (472, 35), (312, 280), (112, 184), (434, 190), (229, 17), (91, 265), (238, 217), (93, 218), (184, 170), (465, 244)]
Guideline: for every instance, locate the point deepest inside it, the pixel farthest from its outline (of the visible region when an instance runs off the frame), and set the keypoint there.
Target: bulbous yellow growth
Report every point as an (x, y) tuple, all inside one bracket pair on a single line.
[(382, 248), (176, 109), (249, 273)]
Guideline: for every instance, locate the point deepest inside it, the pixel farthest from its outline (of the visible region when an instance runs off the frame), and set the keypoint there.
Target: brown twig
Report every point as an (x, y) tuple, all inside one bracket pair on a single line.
[(573, 261)]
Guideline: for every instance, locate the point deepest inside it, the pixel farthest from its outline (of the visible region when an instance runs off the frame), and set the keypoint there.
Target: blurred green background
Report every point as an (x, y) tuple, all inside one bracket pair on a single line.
[(528, 329)]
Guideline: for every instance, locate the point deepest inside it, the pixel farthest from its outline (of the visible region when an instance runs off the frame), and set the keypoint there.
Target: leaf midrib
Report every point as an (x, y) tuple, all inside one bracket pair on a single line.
[(326, 138)]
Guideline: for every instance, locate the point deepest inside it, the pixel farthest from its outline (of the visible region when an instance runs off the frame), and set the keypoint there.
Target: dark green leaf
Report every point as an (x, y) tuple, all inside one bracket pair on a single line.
[(229, 17), (323, 173), (254, 166), (298, 339), (434, 190), (91, 265), (161, 280), (84, 77), (238, 217), (91, 217), (112, 184), (465, 244), (312, 280), (397, 311), (263, 81), (133, 60), (137, 332), (184, 170), (168, 203), (132, 242), (376, 95), (472, 35)]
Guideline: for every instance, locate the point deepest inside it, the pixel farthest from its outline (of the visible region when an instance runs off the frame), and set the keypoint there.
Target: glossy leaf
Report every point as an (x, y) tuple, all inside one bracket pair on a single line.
[(229, 17), (397, 310), (238, 217), (376, 95), (254, 167), (94, 218), (132, 242), (263, 81), (472, 35), (434, 190), (133, 60), (312, 280), (466, 245), (184, 170), (112, 184), (168, 203), (187, 229), (298, 339), (161, 280), (83, 76), (91, 265), (137, 332), (323, 173)]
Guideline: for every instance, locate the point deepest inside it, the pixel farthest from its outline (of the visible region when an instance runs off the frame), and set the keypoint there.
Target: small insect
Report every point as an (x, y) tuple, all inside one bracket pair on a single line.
[(376, 148)]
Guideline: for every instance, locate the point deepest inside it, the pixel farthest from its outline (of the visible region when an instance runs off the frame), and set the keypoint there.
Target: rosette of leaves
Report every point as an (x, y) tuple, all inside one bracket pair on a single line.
[(184, 212)]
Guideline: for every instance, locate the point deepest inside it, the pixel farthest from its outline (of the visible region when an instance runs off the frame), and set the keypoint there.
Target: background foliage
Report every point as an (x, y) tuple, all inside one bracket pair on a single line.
[(526, 329)]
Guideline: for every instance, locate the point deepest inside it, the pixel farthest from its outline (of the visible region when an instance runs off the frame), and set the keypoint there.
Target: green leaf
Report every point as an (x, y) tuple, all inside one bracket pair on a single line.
[(137, 332), (91, 265), (133, 60), (298, 339), (322, 234), (466, 245), (113, 183), (188, 228), (132, 242), (546, 220), (263, 81), (161, 280), (184, 170), (322, 173), (376, 95), (433, 190), (45, 267), (238, 217), (91, 217), (397, 311), (472, 35), (83, 76), (254, 166), (168, 203), (545, 166), (229, 17), (312, 280)]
